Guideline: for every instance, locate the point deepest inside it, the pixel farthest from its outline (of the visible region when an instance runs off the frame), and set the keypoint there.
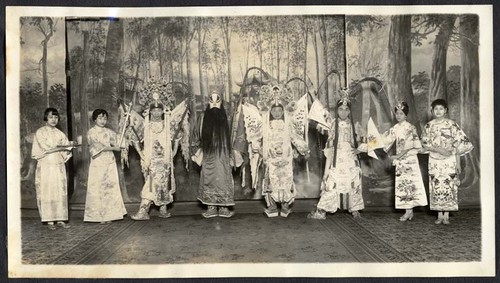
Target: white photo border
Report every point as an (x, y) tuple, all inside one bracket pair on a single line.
[(486, 267)]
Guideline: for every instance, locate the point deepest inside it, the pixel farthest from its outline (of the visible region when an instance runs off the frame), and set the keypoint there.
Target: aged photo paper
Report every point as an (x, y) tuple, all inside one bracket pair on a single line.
[(27, 74)]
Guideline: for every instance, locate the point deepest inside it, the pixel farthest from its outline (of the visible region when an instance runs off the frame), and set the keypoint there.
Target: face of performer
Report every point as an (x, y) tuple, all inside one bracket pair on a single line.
[(400, 116), (215, 100), (439, 111), (101, 120), (52, 119), (277, 112), (156, 114), (343, 112)]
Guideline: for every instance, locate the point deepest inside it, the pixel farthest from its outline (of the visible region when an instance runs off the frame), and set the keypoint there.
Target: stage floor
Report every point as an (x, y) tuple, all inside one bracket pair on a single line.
[(253, 238)]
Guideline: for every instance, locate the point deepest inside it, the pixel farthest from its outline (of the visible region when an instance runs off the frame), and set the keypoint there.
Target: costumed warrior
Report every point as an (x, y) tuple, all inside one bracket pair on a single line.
[(163, 130), (276, 135), (342, 178)]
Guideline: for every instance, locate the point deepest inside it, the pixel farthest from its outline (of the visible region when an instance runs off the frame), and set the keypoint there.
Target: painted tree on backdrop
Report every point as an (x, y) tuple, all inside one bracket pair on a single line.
[(459, 85), (446, 33), (201, 28), (399, 67), (86, 66), (469, 102), (215, 62), (31, 98), (367, 59), (111, 77), (226, 28), (46, 26)]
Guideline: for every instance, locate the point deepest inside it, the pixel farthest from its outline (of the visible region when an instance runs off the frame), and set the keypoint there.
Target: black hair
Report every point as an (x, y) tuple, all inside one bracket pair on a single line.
[(405, 109), (441, 102), (215, 135), (48, 111), (98, 112)]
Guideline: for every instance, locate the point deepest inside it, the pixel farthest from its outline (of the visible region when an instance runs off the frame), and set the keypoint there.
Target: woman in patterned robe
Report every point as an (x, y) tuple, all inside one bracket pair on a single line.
[(51, 149), (410, 190), (446, 142), (104, 202)]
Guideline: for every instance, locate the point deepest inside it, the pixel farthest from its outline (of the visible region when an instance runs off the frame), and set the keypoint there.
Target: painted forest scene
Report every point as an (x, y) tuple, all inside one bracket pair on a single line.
[(77, 65)]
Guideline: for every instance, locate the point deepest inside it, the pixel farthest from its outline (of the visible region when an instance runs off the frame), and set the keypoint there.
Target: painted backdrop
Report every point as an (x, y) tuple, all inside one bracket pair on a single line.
[(78, 65)]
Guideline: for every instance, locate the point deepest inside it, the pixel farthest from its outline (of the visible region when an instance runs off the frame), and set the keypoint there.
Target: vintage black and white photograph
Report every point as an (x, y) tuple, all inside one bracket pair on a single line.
[(290, 141)]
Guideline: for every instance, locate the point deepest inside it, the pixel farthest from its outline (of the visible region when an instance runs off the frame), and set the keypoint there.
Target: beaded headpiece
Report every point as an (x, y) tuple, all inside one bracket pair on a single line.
[(345, 97), (156, 92), (276, 95), (400, 106)]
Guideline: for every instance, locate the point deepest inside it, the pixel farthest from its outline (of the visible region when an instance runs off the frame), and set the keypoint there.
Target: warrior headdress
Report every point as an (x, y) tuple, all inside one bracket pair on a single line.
[(345, 97), (155, 92), (276, 95), (158, 93)]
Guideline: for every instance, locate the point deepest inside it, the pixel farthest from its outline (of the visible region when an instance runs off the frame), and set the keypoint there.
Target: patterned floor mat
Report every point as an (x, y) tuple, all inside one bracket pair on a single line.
[(251, 238)]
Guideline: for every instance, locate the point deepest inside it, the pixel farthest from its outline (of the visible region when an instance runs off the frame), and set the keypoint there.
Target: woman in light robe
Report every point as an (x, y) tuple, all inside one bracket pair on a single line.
[(104, 202), (51, 149)]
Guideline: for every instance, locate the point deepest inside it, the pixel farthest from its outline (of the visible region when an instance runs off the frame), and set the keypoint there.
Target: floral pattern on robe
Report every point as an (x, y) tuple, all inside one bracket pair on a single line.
[(343, 181), (159, 185), (278, 157), (409, 188), (345, 177), (443, 177), (50, 177), (104, 200)]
